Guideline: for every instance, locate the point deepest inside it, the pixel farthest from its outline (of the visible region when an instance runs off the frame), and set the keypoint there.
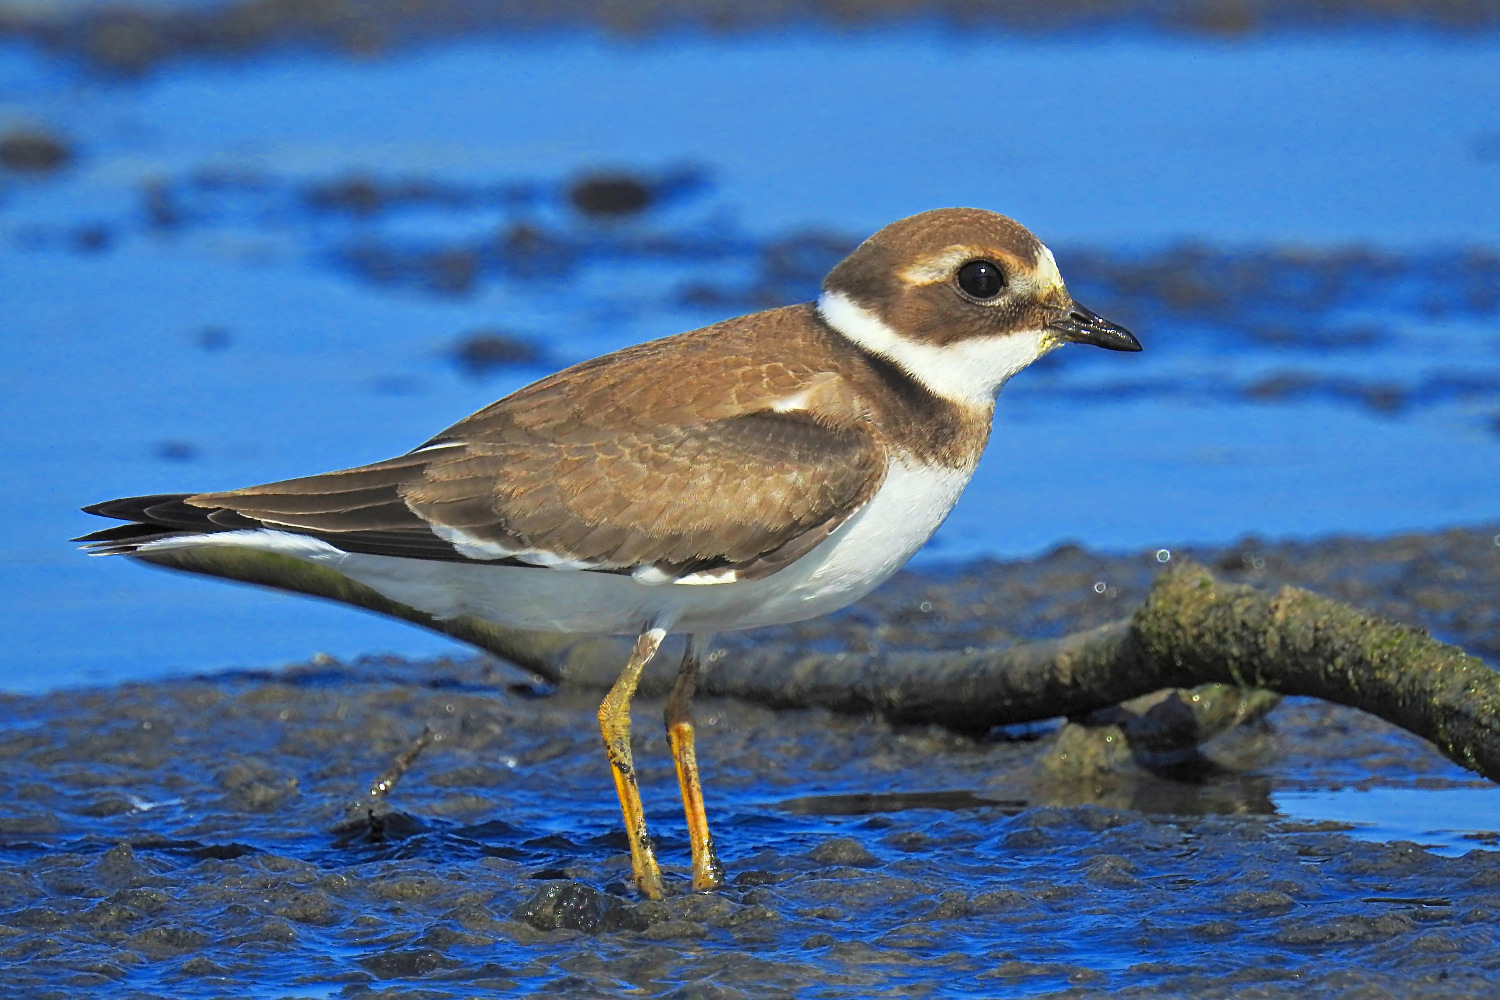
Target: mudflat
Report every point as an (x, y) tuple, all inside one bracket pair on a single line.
[(199, 836)]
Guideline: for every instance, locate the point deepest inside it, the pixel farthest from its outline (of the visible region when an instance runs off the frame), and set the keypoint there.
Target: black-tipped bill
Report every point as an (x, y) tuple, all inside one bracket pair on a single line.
[(1084, 326)]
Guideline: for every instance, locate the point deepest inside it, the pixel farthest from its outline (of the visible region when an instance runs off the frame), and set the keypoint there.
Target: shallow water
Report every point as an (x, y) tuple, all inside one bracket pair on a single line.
[(267, 267), (259, 269), (1447, 821)]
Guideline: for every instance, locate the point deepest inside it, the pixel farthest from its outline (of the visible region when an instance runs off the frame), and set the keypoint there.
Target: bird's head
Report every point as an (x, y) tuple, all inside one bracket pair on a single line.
[(960, 298)]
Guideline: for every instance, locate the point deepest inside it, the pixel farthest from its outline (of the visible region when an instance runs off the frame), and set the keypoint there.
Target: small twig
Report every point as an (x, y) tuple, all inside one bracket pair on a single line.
[(365, 814), (387, 779)]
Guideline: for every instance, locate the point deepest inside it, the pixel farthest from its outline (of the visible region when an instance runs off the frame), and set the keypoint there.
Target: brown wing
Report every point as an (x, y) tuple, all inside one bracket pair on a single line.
[(607, 466), (749, 493), (730, 494)]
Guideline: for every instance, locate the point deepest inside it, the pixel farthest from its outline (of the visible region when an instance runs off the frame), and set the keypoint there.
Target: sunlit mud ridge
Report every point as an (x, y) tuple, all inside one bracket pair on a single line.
[(129, 39), (1304, 315)]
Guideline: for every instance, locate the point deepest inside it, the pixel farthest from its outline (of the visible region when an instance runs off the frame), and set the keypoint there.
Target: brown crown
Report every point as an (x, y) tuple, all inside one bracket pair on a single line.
[(907, 275)]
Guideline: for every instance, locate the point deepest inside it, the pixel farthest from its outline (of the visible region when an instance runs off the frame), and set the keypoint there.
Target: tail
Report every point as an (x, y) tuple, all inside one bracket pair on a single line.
[(153, 518)]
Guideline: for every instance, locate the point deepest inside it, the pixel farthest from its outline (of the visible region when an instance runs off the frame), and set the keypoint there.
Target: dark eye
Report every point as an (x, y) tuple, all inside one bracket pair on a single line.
[(981, 279)]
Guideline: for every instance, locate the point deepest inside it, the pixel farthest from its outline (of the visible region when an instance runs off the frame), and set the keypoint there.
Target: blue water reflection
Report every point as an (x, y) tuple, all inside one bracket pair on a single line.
[(109, 384)]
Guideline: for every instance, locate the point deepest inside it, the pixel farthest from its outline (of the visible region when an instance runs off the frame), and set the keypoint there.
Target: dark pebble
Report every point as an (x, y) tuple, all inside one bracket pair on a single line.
[(214, 338), (610, 195), (1248, 901), (484, 352), (255, 787), (29, 151), (176, 451), (1113, 871), (843, 851), (406, 963), (1346, 929), (200, 966), (165, 941), (706, 991), (118, 864), (578, 907)]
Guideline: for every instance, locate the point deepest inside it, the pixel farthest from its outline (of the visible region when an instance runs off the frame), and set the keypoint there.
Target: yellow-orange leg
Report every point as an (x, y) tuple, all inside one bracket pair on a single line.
[(614, 723), (707, 872)]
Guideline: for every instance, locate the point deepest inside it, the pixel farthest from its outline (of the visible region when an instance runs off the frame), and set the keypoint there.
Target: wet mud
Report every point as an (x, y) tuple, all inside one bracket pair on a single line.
[(128, 39), (1307, 315), (214, 836)]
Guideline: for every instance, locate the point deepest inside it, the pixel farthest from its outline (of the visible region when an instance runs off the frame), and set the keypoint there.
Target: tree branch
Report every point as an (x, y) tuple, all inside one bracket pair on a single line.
[(1191, 630)]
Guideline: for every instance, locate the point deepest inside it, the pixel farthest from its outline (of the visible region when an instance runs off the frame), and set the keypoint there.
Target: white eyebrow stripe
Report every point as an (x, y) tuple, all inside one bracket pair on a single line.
[(940, 268), (1041, 279)]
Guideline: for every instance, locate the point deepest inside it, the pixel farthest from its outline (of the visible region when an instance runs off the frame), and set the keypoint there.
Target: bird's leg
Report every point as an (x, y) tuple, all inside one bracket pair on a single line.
[(614, 723), (707, 872)]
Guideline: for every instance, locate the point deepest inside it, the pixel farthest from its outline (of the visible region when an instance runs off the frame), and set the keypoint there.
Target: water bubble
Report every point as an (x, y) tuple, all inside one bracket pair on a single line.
[(925, 606), (1497, 539), (1163, 555), (1099, 586)]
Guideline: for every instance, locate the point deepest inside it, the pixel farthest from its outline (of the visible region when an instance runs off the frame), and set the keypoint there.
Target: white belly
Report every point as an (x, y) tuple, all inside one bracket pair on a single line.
[(909, 506)]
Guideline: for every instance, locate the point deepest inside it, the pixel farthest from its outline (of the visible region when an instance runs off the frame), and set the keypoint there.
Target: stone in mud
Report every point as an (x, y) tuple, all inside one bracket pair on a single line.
[(1000, 901), (755, 877), (1249, 901), (275, 935), (673, 930), (1113, 871), (118, 864), (1028, 839), (307, 908), (708, 908), (254, 787), (950, 906), (483, 352), (108, 916), (844, 851), (107, 804), (651, 912), (754, 913), (407, 963), (33, 152), (578, 907), (411, 888), (705, 991), (610, 195), (1215, 929), (441, 937), (1344, 930), (145, 900), (201, 966), (166, 940)]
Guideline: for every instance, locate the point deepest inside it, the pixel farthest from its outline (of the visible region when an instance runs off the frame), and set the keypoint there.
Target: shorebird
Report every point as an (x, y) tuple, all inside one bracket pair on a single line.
[(758, 471)]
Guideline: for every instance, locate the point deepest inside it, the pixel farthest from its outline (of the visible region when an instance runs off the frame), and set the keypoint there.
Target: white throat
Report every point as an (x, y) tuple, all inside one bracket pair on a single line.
[(968, 371)]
